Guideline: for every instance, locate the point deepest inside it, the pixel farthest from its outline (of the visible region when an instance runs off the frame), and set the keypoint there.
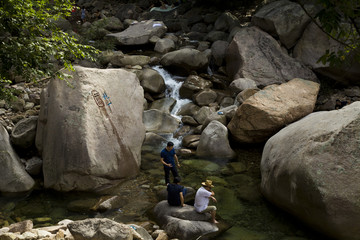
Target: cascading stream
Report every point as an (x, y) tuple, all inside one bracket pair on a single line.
[(172, 91)]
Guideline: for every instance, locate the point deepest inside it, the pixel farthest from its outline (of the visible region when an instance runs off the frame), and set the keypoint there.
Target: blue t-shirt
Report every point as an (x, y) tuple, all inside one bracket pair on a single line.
[(168, 156), (174, 191)]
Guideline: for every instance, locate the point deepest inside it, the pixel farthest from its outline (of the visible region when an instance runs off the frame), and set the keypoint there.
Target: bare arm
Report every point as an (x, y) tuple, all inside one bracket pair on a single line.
[(181, 199), (176, 160), (163, 162)]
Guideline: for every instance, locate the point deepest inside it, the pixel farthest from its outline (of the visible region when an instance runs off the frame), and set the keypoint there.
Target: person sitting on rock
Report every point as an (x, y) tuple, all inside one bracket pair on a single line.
[(176, 193), (202, 197)]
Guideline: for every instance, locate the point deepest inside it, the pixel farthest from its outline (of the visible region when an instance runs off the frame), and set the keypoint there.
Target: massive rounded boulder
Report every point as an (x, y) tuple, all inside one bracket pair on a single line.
[(311, 169), (90, 133), (14, 178), (269, 110), (254, 54)]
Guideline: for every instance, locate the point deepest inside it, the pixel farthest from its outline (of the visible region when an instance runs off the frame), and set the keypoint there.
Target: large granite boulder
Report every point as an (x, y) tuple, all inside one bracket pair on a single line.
[(283, 19), (183, 223), (185, 60), (14, 178), (269, 110), (311, 168), (90, 134), (313, 44), (214, 142), (256, 55), (139, 33)]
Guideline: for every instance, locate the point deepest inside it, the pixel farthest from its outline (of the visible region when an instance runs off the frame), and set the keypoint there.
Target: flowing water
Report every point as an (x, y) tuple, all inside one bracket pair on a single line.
[(240, 203)]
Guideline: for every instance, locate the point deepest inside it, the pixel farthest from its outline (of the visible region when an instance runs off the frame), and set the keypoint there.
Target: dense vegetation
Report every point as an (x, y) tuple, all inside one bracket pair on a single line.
[(32, 47)]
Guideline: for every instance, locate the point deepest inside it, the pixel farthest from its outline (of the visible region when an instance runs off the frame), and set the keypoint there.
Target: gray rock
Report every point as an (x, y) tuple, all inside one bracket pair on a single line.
[(139, 33), (185, 60), (14, 178), (23, 134), (311, 169), (241, 84), (188, 109), (218, 50), (102, 112), (101, 229), (159, 122), (164, 45), (313, 44), (34, 166), (205, 97), (283, 19), (201, 115), (164, 104), (183, 222), (21, 227), (192, 85), (254, 54), (226, 22), (214, 142), (152, 81)]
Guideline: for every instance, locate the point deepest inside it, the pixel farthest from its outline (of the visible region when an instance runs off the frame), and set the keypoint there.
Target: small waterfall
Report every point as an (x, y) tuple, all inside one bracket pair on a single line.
[(172, 90)]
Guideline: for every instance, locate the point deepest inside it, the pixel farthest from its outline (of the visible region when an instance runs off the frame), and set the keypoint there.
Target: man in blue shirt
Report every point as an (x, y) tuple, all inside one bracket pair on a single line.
[(176, 193), (167, 159)]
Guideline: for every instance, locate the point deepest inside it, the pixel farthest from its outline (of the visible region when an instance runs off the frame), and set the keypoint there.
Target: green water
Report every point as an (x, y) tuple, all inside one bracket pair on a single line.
[(240, 203)]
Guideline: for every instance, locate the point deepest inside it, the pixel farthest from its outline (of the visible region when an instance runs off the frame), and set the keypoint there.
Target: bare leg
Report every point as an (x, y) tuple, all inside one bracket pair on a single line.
[(213, 214)]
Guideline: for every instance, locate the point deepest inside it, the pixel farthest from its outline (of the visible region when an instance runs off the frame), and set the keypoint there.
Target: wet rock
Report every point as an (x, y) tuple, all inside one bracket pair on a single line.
[(159, 122), (164, 105), (152, 81), (192, 85)]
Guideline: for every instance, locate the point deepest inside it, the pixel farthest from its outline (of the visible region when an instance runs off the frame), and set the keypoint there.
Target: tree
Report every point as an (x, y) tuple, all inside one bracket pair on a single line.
[(340, 20), (31, 46)]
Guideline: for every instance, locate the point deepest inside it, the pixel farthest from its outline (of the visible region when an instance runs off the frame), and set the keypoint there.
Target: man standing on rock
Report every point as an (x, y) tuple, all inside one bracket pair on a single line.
[(202, 198), (167, 159), (176, 193)]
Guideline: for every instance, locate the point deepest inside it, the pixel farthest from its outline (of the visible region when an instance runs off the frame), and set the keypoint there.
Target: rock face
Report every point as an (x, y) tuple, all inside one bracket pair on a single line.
[(139, 33), (313, 44), (214, 142), (283, 19), (14, 178), (256, 55), (183, 223), (90, 134), (311, 168), (185, 60), (267, 111)]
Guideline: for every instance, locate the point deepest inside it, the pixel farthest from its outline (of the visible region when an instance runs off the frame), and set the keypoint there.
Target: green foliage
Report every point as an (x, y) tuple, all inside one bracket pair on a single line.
[(31, 45), (341, 21), (5, 92)]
